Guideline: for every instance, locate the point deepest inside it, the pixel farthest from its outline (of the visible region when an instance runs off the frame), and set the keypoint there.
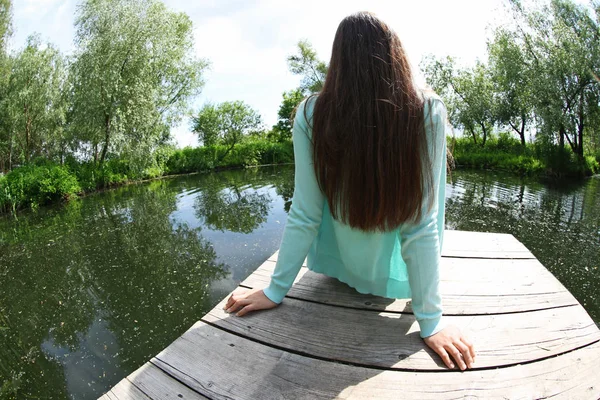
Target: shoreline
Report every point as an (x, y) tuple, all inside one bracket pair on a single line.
[(543, 176)]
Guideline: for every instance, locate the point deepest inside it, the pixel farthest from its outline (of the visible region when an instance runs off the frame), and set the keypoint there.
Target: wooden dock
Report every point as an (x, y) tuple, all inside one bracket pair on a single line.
[(533, 339)]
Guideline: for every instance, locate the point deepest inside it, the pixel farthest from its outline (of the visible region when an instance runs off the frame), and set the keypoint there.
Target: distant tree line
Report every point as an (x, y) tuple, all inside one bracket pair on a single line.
[(540, 77)]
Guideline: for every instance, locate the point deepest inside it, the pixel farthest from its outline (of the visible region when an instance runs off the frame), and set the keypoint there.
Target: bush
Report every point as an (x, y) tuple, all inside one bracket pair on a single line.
[(506, 152), (33, 185), (250, 153), (42, 181)]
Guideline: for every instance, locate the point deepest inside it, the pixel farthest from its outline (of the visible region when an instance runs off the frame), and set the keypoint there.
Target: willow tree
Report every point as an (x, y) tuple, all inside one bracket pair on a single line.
[(5, 32), (33, 108), (133, 76), (561, 41), (467, 92), (511, 75)]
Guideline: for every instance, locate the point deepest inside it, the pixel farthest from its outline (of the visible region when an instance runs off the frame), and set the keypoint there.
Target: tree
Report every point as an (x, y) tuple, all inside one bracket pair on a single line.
[(5, 22), (562, 42), (285, 116), (468, 94), (133, 76), (306, 64), (226, 123), (511, 77), (33, 109), (5, 32)]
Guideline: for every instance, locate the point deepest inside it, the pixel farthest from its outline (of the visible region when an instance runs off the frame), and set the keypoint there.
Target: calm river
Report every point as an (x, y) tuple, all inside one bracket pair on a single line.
[(92, 289)]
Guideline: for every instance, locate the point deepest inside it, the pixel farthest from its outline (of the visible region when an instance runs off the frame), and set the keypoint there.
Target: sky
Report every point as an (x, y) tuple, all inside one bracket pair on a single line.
[(247, 42)]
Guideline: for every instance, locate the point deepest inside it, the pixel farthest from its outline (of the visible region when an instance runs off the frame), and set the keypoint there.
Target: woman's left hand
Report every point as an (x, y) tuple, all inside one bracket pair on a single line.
[(247, 300)]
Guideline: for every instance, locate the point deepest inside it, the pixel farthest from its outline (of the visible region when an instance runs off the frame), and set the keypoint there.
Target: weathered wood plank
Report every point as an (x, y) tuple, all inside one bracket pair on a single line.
[(467, 286), (478, 245), (150, 382), (483, 245), (125, 390), (391, 340), (225, 366)]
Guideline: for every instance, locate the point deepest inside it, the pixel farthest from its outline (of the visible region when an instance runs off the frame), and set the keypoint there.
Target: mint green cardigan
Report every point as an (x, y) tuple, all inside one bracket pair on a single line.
[(403, 263)]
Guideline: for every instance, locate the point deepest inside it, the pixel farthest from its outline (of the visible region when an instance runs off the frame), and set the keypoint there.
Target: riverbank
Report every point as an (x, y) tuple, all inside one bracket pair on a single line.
[(44, 182), (505, 153)]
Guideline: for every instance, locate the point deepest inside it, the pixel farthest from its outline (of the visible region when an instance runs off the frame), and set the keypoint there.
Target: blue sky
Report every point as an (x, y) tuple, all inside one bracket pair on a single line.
[(247, 42)]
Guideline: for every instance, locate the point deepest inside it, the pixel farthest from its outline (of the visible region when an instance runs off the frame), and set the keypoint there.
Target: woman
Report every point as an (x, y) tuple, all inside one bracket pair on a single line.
[(368, 205)]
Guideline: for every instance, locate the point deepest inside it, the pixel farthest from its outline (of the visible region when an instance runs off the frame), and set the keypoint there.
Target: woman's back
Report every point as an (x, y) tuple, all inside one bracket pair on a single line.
[(387, 264)]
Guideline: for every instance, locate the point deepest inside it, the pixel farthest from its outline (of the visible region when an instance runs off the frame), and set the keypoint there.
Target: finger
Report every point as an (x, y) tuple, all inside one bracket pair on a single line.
[(228, 303), (238, 304), (453, 351), (445, 357), (245, 310), (235, 296), (470, 346), (466, 353)]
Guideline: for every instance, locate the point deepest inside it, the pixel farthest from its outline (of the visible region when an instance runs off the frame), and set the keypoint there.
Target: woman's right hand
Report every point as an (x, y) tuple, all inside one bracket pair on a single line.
[(451, 342), (244, 301)]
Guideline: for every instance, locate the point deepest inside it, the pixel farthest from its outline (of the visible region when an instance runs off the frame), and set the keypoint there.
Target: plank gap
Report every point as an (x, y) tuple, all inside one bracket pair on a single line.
[(410, 313), (170, 376), (375, 367)]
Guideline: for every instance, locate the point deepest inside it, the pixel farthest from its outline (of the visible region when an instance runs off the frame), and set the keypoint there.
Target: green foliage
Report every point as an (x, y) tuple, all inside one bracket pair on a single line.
[(10, 387), (283, 130), (34, 185), (32, 110), (306, 64), (133, 76), (247, 154), (467, 92), (5, 22), (226, 124), (511, 76), (541, 73), (505, 152)]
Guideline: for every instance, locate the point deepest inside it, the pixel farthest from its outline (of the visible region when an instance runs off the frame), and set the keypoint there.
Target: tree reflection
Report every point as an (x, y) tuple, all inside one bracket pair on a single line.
[(128, 278), (225, 205)]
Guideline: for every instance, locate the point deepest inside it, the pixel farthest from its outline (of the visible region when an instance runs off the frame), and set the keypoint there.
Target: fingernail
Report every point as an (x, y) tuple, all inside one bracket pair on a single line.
[(451, 365)]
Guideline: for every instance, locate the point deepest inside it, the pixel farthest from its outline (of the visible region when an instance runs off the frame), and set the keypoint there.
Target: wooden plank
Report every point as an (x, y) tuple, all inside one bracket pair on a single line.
[(391, 340), (483, 245), (467, 286), (125, 390), (149, 382), (225, 366), (465, 244)]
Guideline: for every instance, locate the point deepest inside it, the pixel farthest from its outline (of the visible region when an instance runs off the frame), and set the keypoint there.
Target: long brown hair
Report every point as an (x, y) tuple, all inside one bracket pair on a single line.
[(369, 143)]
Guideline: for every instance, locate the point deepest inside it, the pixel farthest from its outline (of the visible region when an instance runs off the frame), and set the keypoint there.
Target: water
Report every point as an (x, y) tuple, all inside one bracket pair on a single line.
[(91, 290)]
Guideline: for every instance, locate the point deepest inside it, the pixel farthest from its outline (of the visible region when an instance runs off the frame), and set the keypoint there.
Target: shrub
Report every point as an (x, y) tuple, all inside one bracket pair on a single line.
[(245, 154), (506, 152), (33, 185)]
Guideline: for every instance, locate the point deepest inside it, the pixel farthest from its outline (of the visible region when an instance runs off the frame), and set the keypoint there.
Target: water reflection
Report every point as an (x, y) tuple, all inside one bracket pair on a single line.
[(226, 204), (92, 290)]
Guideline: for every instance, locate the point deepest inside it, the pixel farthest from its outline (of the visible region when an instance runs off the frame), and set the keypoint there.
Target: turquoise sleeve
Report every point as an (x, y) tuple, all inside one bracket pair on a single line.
[(304, 218), (422, 242)]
